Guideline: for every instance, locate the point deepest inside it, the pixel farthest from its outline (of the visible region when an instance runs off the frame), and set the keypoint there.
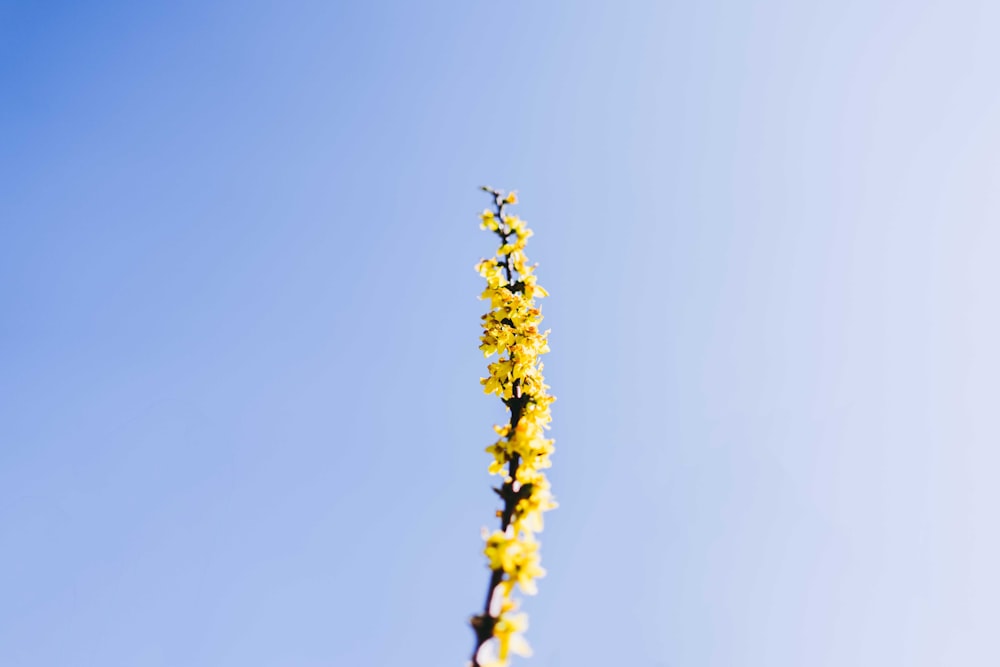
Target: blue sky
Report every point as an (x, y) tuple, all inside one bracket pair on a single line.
[(240, 420)]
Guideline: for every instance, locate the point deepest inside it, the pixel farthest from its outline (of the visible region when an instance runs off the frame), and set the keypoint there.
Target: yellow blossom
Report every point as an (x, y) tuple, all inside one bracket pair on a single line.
[(489, 220)]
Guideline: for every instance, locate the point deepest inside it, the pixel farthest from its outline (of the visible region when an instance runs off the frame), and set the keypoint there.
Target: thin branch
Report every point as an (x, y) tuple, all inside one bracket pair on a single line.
[(510, 492)]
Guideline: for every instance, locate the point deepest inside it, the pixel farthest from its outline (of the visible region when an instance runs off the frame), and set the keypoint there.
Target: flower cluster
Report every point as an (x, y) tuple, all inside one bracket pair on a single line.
[(521, 453)]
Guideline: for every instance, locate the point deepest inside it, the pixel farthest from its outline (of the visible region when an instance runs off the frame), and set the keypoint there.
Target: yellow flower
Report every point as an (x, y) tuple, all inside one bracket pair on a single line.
[(529, 510), (489, 221), (496, 548), (509, 638)]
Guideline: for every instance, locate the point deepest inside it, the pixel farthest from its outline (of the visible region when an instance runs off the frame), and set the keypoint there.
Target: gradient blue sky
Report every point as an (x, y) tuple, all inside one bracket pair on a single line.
[(240, 421)]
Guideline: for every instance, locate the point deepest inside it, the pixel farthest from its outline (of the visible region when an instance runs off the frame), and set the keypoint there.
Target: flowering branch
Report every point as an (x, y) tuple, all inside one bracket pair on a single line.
[(510, 330)]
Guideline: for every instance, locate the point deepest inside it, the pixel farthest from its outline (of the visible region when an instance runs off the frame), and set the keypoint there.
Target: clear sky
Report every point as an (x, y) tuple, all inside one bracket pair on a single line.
[(240, 419)]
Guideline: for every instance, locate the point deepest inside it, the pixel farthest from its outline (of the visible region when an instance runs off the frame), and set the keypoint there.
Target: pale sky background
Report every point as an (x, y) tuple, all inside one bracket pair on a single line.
[(240, 419)]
